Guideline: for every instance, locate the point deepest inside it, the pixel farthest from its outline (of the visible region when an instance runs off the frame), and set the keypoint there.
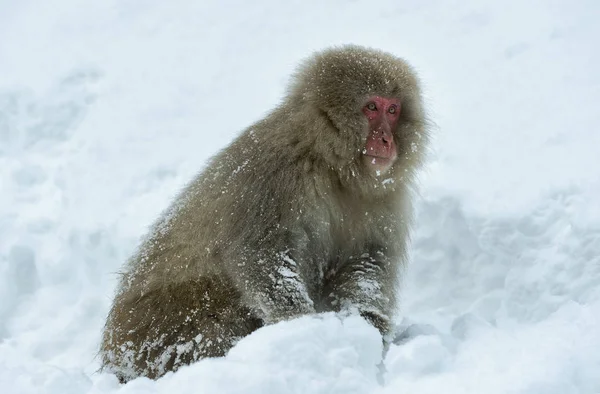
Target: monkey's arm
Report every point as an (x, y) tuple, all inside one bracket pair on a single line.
[(272, 283), (367, 284)]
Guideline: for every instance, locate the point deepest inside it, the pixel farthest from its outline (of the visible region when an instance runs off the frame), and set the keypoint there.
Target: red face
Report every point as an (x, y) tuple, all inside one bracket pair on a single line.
[(380, 150)]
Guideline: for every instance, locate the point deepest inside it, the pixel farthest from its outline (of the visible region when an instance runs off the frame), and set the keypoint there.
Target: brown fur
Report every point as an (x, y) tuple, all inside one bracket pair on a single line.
[(283, 222)]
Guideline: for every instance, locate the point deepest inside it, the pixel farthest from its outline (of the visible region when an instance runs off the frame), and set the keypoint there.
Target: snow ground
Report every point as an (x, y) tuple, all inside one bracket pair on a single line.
[(107, 108)]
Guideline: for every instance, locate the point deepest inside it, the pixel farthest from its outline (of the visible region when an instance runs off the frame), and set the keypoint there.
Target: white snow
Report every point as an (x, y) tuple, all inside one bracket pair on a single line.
[(108, 108)]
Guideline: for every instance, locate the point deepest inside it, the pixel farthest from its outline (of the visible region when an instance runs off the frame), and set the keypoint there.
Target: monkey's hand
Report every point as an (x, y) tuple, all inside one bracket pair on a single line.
[(365, 284), (272, 285)]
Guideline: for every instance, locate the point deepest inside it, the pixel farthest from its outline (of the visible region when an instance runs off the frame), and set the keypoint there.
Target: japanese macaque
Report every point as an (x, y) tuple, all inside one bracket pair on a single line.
[(307, 211)]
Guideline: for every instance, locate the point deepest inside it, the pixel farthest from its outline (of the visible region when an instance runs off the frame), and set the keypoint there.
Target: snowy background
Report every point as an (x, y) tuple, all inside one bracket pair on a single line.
[(107, 108)]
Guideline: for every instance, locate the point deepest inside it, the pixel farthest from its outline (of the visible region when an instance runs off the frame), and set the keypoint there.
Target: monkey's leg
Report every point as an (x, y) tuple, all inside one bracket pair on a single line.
[(367, 284), (172, 326), (272, 282)]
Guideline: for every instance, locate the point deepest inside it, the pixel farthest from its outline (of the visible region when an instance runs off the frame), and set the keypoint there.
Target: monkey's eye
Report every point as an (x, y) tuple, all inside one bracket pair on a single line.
[(371, 106), (392, 109)]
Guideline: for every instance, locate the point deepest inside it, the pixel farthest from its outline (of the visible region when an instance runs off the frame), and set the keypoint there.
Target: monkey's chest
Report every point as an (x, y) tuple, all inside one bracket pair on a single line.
[(331, 244)]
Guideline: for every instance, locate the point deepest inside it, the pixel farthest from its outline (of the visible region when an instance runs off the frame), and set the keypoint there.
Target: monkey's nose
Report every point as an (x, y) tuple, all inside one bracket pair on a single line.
[(386, 138), (386, 134)]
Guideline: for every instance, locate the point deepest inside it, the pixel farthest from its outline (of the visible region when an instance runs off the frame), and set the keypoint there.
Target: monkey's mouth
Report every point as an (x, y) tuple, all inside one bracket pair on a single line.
[(379, 163), (380, 157)]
